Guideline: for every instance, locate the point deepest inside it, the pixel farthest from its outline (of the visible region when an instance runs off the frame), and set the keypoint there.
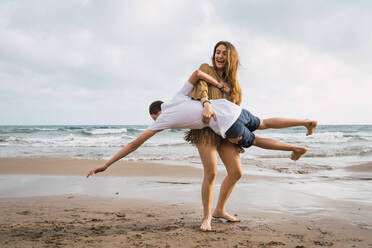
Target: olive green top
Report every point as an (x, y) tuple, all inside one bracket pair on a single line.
[(200, 90), (203, 89)]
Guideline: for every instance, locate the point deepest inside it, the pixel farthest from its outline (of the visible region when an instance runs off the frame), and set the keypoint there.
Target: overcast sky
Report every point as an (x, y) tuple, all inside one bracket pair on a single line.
[(104, 62)]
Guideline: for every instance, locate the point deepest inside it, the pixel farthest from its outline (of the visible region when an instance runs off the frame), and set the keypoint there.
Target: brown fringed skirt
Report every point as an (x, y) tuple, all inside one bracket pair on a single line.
[(206, 136), (203, 136)]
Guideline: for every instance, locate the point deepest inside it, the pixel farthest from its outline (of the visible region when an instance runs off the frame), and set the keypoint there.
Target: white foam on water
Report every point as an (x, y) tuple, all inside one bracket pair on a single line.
[(106, 131)]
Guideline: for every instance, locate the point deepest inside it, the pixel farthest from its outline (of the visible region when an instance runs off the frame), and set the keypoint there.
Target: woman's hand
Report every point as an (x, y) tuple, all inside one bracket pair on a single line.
[(208, 113), (226, 89), (97, 170)]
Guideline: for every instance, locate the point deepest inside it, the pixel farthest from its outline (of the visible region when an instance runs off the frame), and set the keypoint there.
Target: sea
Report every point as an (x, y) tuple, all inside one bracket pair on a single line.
[(330, 147)]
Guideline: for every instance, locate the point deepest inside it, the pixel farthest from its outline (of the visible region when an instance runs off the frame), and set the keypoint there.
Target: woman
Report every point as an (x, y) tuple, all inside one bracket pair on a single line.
[(225, 67)]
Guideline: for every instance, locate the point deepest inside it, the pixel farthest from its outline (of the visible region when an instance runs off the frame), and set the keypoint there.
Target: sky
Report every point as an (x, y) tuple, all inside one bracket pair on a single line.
[(81, 62)]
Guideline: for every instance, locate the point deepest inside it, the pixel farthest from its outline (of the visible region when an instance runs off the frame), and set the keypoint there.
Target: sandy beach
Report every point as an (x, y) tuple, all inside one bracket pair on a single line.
[(164, 209)]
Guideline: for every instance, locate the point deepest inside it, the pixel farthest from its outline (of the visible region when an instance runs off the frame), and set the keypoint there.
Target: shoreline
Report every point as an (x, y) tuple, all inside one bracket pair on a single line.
[(80, 167)]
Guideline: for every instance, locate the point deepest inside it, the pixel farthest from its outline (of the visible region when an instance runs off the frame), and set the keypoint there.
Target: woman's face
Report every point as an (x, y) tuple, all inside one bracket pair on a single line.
[(220, 57)]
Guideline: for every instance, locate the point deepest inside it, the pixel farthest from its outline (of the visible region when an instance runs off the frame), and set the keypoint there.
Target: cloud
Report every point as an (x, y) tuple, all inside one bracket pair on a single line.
[(92, 62), (338, 28)]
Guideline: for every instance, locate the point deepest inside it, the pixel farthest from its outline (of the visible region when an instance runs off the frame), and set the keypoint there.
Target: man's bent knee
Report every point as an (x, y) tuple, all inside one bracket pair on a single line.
[(262, 124)]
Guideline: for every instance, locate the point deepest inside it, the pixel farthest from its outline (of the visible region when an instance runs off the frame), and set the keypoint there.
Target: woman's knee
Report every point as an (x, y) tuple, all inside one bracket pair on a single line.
[(235, 175), (210, 176), (208, 155)]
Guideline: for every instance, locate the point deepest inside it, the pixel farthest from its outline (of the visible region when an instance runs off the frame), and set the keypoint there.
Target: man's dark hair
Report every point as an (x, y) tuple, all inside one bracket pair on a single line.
[(155, 107)]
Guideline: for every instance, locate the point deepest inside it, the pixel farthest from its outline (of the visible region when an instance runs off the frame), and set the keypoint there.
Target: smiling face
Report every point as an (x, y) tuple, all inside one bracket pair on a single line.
[(220, 57)]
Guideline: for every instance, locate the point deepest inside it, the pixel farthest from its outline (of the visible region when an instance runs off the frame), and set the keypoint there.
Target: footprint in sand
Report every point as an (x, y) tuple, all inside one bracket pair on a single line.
[(120, 214), (25, 212)]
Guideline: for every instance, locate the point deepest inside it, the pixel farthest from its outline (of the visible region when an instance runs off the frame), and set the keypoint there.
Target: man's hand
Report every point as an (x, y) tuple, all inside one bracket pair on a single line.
[(208, 113), (97, 170)]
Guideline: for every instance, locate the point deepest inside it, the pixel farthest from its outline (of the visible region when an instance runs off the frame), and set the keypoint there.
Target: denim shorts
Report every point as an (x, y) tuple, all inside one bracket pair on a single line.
[(244, 126)]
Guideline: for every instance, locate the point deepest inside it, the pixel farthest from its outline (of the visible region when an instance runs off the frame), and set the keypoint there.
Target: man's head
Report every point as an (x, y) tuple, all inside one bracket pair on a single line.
[(155, 109)]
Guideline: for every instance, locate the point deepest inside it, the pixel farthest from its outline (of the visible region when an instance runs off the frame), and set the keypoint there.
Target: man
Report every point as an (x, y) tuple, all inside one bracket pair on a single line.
[(229, 120)]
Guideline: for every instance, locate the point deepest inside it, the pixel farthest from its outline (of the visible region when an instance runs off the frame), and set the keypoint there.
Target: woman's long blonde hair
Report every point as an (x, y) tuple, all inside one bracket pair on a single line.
[(230, 73)]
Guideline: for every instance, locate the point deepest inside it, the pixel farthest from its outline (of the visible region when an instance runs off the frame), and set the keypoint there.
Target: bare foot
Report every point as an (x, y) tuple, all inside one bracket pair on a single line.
[(226, 216), (298, 152), (206, 225), (311, 127)]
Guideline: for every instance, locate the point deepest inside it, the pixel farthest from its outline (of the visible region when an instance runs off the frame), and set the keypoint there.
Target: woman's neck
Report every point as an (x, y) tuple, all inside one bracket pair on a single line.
[(220, 73)]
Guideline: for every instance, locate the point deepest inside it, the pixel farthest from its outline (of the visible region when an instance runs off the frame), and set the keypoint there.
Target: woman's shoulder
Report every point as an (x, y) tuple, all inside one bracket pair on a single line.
[(206, 67)]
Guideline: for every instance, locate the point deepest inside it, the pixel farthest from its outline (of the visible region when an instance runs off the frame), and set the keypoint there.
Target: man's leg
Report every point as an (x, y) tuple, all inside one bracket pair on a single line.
[(297, 151), (284, 123)]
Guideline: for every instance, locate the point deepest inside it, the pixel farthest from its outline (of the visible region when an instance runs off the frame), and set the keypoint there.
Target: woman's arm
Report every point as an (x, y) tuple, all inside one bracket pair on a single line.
[(131, 147), (207, 108), (198, 74)]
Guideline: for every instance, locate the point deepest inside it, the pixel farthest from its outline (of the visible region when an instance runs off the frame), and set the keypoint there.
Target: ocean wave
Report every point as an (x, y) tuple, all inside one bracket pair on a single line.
[(27, 130), (180, 143), (13, 139), (71, 128), (104, 131), (358, 139), (46, 129), (19, 130), (366, 153), (135, 130), (165, 143), (346, 151), (124, 136), (316, 138)]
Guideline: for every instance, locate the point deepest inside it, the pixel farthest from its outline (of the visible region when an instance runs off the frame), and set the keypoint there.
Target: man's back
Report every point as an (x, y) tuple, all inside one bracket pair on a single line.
[(182, 112)]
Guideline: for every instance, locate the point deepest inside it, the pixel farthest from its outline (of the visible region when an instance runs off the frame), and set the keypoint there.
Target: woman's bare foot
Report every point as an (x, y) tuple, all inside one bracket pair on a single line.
[(224, 215), (206, 225), (298, 152), (311, 127)]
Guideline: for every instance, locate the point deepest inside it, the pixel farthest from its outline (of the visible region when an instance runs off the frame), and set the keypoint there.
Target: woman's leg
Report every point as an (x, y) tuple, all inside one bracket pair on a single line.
[(297, 151), (208, 155), (231, 159), (284, 122)]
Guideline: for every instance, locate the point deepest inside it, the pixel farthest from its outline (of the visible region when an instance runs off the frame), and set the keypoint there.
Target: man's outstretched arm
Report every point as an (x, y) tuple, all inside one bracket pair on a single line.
[(131, 147)]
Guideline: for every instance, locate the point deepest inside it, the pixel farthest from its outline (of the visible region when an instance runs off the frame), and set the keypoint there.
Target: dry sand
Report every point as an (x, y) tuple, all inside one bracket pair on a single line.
[(82, 221)]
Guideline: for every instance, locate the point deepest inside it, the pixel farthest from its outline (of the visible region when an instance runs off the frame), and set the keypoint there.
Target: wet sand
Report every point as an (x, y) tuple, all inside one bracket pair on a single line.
[(360, 168), (75, 220), (80, 167)]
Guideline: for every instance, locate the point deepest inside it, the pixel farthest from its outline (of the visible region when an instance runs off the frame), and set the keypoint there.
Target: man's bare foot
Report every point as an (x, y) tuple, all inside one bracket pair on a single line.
[(224, 215), (311, 127), (206, 225), (298, 152)]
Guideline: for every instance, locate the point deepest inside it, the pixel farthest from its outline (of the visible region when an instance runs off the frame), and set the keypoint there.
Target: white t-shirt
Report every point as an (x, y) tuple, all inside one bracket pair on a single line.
[(183, 112)]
